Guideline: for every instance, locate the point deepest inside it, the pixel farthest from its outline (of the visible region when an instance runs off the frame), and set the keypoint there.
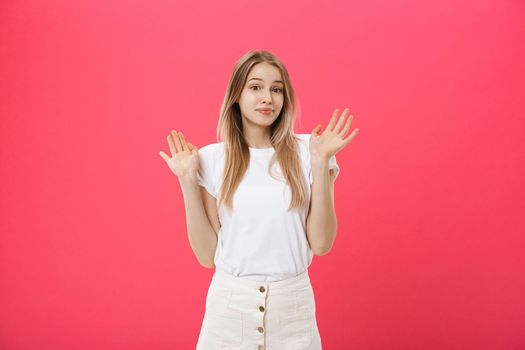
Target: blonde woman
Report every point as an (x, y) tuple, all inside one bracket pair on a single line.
[(259, 204)]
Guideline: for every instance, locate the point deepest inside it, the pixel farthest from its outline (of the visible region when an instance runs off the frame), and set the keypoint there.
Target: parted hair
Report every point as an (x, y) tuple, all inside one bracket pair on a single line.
[(283, 138)]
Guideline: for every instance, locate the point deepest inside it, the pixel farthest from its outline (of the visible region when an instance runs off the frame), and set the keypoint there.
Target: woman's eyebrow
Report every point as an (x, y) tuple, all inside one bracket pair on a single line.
[(276, 81)]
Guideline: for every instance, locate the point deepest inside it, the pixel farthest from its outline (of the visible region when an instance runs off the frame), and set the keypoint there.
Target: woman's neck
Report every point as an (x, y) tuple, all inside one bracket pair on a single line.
[(258, 138)]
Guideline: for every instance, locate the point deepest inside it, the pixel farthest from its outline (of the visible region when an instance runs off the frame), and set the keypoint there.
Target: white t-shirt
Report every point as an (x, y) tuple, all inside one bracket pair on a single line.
[(260, 240)]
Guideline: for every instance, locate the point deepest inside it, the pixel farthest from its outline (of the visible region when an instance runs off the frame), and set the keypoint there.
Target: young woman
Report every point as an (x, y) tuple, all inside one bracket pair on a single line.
[(264, 208)]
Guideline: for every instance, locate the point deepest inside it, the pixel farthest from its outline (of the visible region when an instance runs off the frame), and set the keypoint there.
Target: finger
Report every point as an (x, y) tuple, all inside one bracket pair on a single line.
[(183, 141), (193, 148), (352, 135), (341, 120), (164, 156), (175, 136), (316, 130), (173, 150), (331, 123), (347, 126)]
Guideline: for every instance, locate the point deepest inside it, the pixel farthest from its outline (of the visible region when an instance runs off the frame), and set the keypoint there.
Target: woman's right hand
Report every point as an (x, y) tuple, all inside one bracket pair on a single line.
[(184, 160)]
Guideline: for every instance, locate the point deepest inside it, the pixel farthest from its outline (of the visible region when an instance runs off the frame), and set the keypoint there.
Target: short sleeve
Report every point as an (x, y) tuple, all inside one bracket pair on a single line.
[(332, 164), (206, 173)]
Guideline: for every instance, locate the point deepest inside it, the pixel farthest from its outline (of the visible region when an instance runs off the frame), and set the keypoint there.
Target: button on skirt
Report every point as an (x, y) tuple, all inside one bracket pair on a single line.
[(247, 314)]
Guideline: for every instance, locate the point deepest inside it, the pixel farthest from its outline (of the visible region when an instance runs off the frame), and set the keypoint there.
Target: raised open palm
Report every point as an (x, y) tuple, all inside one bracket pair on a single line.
[(184, 160), (333, 138)]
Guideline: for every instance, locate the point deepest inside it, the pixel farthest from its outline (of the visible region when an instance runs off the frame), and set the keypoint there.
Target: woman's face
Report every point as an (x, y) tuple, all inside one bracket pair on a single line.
[(264, 89)]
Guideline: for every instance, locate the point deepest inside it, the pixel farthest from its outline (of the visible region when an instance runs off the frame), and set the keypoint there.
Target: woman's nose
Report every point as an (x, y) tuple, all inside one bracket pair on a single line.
[(267, 97)]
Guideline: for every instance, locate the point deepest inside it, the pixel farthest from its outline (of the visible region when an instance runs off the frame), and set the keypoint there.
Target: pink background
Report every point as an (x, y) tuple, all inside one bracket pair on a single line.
[(430, 251)]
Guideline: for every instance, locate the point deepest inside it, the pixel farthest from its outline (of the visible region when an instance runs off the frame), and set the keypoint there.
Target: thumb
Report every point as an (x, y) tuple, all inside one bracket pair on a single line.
[(316, 130), (193, 148), (164, 156)]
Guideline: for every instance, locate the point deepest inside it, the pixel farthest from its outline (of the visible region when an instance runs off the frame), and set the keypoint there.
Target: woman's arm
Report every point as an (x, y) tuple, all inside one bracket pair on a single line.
[(201, 234), (321, 224)]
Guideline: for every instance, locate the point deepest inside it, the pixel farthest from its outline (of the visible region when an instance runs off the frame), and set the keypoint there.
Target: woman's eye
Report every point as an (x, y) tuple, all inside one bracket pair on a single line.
[(255, 87)]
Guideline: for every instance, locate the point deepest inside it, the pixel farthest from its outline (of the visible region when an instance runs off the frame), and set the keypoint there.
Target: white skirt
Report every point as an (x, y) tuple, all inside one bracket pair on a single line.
[(247, 314)]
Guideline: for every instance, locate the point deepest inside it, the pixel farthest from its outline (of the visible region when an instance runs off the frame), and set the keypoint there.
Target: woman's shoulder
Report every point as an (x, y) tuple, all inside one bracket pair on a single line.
[(305, 137), (217, 149), (304, 140), (212, 148)]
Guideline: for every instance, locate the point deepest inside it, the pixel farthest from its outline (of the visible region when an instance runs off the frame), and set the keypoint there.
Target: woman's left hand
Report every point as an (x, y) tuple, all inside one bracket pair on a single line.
[(332, 140)]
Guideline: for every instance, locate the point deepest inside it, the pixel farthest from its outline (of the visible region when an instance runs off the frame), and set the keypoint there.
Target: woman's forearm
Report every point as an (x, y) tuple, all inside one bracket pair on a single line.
[(322, 220), (202, 236)]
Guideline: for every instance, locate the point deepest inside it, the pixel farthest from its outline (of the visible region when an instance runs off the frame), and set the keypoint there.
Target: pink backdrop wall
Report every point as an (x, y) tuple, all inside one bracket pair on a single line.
[(430, 199)]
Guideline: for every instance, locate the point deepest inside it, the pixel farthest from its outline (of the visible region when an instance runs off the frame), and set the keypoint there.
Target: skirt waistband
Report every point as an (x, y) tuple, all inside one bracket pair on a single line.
[(227, 280)]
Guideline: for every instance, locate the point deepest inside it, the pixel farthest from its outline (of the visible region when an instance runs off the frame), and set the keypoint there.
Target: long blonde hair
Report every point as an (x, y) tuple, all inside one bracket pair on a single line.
[(283, 139)]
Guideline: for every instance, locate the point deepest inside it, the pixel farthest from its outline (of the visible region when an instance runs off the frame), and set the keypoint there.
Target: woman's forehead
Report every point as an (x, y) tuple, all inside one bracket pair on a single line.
[(265, 72)]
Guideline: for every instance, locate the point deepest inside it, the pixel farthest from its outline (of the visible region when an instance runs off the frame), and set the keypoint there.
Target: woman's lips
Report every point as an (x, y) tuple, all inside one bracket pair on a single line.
[(267, 112)]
